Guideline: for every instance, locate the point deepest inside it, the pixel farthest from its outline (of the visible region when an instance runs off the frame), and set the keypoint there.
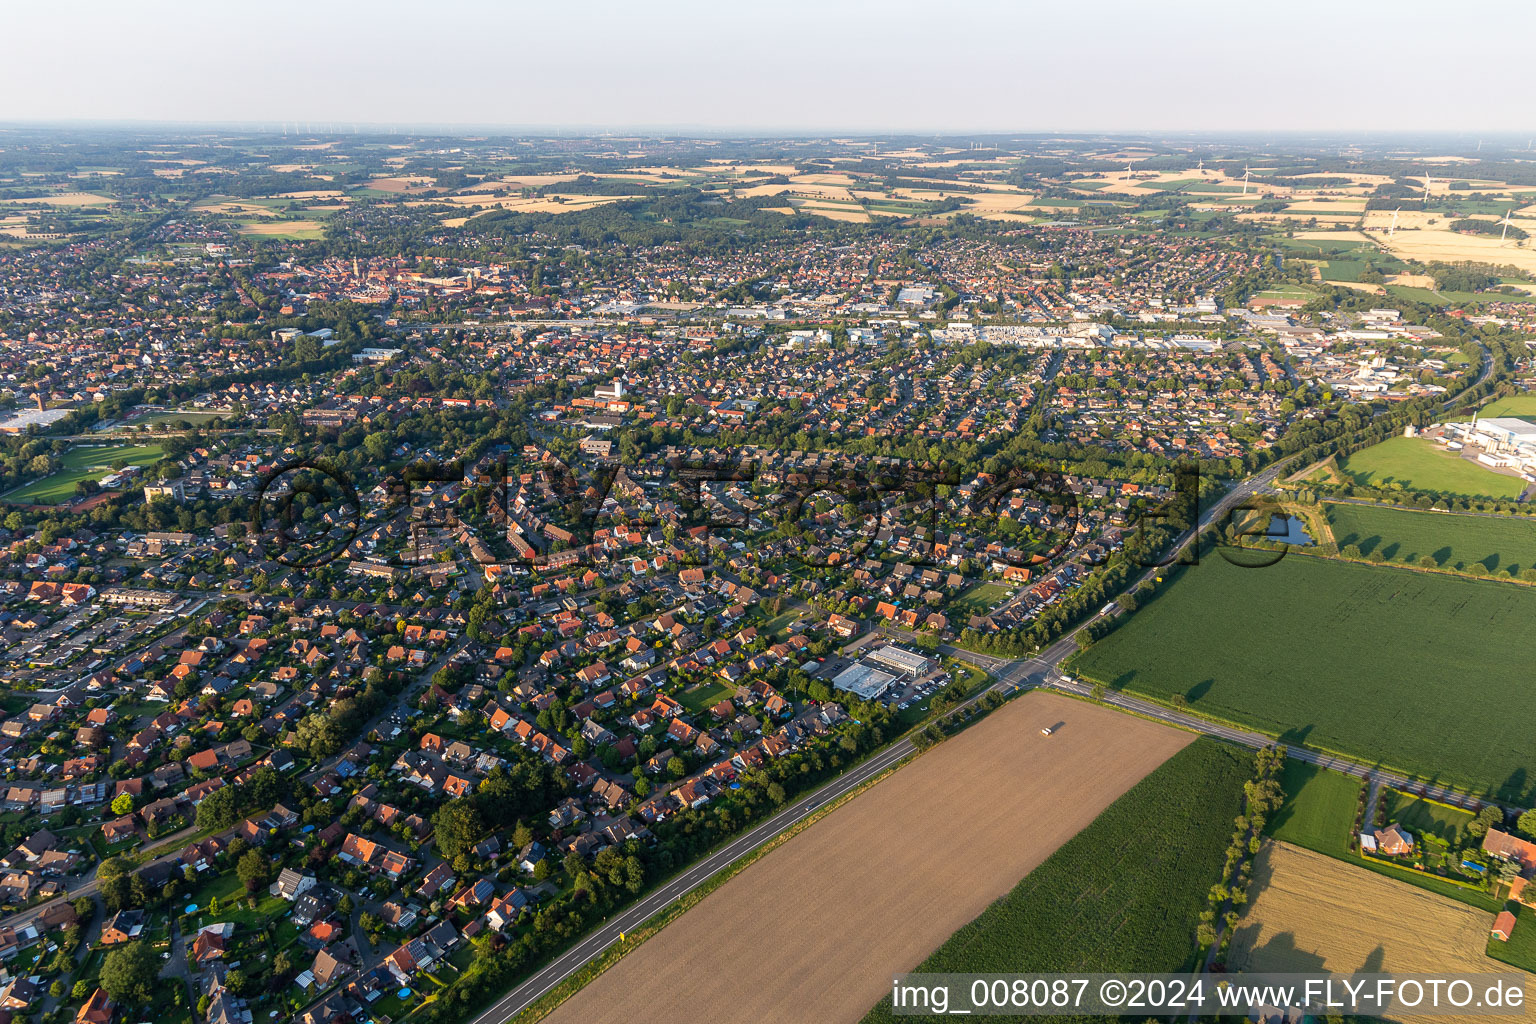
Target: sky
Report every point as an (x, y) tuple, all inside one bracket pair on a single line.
[(781, 66)]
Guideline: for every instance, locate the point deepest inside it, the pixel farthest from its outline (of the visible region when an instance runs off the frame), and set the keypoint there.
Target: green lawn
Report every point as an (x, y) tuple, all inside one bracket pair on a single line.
[(1453, 540), (976, 599), (83, 462), (1422, 672), (1522, 406), (1426, 817), (967, 675), (1520, 950), (1319, 809), (706, 696), (780, 623), (1418, 464), (1124, 894)]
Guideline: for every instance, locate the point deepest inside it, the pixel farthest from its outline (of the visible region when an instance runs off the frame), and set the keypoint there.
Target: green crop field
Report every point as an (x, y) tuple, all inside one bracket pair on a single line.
[(1343, 270), (1452, 540), (1323, 246), (82, 462), (1438, 298), (1319, 808), (1522, 406), (1419, 671), (1426, 817), (1125, 893), (1418, 464)]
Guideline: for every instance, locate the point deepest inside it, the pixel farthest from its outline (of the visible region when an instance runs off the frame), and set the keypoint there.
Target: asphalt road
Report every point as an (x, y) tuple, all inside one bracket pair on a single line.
[(696, 875), (1007, 674)]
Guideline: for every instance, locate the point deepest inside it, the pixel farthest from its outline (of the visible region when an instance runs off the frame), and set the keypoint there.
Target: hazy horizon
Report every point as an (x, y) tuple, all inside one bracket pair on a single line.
[(971, 67)]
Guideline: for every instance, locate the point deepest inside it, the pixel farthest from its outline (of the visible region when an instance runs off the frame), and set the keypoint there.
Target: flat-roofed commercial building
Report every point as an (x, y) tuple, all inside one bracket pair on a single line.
[(902, 660), (863, 681)]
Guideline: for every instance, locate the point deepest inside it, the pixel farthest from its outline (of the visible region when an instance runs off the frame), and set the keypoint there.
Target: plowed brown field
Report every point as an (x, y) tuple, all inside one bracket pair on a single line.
[(815, 929)]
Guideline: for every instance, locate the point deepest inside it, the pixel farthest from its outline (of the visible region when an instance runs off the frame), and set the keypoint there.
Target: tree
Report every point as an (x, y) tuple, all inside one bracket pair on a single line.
[(1527, 822), (1486, 818), (317, 734), (676, 767), (122, 804), (573, 865), (128, 973), (253, 869), (457, 826)]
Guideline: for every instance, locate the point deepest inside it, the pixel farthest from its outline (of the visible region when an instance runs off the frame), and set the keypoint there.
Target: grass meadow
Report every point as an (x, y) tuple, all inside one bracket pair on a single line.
[(1419, 465), (1319, 808)]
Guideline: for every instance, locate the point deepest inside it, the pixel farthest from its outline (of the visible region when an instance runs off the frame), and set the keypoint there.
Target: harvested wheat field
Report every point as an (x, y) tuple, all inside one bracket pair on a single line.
[(67, 199), (1312, 912), (284, 227), (401, 184), (1446, 246), (814, 930)]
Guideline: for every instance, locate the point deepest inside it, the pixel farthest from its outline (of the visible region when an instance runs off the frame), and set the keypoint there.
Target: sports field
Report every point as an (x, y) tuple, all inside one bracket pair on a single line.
[(1418, 464), (193, 416), (1451, 540), (1423, 672), (814, 929), (1309, 912), (82, 462), (1126, 893)]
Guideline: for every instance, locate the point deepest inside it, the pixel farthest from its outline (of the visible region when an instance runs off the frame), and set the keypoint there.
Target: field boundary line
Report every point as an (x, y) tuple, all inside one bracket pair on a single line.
[(654, 925), (1395, 507), (1377, 767), (1087, 698), (1503, 578)]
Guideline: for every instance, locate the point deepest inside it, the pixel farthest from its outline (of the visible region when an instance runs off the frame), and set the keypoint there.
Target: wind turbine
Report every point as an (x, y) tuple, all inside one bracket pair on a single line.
[(1245, 179), (1200, 166), (1427, 180), (1393, 229), (1128, 170), (1505, 222)]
